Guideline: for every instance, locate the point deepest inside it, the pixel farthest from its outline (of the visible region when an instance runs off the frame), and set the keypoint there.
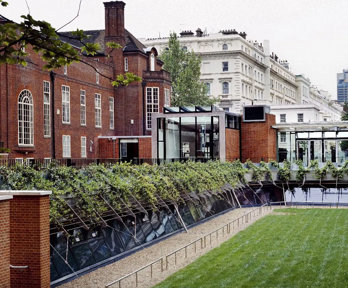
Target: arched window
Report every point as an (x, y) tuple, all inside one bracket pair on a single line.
[(225, 88), (152, 63), (184, 48), (224, 47), (25, 118)]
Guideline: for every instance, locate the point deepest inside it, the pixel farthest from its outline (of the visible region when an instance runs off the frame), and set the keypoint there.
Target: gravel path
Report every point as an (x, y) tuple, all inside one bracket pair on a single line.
[(109, 273)]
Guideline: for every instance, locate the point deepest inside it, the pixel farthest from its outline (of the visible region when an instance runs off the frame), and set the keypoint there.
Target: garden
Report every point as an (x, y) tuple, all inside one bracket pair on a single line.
[(291, 248)]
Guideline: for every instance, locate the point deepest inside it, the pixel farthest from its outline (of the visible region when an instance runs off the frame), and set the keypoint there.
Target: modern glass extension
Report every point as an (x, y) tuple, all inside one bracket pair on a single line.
[(193, 132), (322, 143)]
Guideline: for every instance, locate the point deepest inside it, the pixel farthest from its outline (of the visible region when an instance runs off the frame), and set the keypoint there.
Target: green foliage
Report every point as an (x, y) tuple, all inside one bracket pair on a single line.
[(45, 41), (5, 150), (284, 171), (301, 171), (345, 112), (92, 192), (184, 68), (89, 192)]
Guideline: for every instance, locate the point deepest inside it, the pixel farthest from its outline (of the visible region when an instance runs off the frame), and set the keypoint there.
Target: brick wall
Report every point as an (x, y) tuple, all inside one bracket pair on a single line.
[(259, 140), (232, 144), (145, 148), (4, 243), (30, 243)]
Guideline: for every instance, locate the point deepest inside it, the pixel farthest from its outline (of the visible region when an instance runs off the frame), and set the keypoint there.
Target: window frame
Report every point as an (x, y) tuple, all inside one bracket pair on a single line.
[(83, 108), (111, 113), (282, 116), (282, 137), (126, 64), (152, 105), (83, 140), (300, 117), (224, 87), (46, 109), (66, 104), (66, 149), (97, 110), (25, 127), (224, 66)]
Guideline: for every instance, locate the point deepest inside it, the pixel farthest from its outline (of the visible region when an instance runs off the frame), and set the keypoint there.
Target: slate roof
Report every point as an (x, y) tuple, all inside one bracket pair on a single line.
[(97, 36)]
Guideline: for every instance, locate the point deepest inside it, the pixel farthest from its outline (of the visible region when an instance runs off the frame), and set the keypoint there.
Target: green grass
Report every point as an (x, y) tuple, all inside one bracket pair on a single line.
[(304, 248)]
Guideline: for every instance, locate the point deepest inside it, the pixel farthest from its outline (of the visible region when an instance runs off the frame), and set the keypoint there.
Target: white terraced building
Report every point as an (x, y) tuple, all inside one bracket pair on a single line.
[(242, 72)]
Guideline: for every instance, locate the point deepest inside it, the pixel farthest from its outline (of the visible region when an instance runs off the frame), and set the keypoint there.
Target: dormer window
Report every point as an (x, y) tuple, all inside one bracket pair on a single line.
[(224, 47), (152, 62)]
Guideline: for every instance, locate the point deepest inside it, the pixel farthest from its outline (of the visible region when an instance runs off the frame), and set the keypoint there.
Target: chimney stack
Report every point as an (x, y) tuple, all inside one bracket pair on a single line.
[(114, 22)]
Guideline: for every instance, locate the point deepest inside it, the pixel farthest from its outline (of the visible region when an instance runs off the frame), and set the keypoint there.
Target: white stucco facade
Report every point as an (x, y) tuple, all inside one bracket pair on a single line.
[(241, 72)]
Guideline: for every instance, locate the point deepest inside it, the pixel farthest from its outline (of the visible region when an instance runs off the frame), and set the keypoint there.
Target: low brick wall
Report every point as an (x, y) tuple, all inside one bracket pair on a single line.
[(24, 239)]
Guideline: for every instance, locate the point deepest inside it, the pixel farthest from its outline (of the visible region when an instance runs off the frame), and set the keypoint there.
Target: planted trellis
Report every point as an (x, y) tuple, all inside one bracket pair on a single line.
[(138, 203)]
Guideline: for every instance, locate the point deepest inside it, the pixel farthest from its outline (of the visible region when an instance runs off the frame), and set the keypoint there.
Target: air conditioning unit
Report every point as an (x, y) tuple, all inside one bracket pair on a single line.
[(255, 113)]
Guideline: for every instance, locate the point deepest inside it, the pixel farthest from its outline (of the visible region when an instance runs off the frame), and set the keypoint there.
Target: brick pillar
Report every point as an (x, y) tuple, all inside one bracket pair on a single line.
[(259, 140), (29, 238), (5, 241)]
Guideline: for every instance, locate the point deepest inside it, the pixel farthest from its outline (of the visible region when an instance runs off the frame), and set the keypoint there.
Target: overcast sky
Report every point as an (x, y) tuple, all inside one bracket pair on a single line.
[(311, 34)]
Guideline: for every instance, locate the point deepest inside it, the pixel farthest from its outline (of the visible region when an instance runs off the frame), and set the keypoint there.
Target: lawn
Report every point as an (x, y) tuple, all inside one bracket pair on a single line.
[(294, 248)]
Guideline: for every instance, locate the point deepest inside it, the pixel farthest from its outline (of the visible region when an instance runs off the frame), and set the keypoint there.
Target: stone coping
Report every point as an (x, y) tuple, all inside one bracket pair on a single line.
[(25, 192), (6, 197)]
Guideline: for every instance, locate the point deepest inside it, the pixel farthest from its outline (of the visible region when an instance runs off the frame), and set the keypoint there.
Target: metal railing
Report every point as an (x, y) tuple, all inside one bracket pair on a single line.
[(200, 243), (81, 162)]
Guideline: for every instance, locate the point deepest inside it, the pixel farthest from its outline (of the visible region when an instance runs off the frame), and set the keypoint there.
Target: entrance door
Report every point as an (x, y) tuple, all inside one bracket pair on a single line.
[(129, 150)]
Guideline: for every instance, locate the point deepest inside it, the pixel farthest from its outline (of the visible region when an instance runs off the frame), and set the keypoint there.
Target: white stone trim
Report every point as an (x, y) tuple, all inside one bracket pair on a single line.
[(5, 197), (24, 193)]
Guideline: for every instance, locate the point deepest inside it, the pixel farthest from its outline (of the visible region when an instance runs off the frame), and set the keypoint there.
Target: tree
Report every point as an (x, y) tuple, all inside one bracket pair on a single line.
[(45, 41), (184, 68), (345, 112)]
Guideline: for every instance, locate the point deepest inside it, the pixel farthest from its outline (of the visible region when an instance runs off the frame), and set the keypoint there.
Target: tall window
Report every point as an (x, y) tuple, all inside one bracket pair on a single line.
[(82, 107), (300, 117), (225, 88), (66, 104), (224, 66), (283, 118), (126, 64), (97, 110), (66, 146), (151, 104), (83, 147), (112, 113), (166, 97), (97, 77), (207, 88), (46, 109), (25, 118), (152, 63)]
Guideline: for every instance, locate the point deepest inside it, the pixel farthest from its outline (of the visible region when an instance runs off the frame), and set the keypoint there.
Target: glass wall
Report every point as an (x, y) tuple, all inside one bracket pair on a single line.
[(313, 145), (189, 137)]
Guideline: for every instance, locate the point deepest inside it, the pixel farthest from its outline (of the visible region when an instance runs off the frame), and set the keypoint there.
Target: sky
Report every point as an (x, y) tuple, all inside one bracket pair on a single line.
[(311, 34)]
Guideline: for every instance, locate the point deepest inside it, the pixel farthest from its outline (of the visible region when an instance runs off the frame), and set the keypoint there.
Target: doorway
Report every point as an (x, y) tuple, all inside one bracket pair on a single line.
[(129, 150)]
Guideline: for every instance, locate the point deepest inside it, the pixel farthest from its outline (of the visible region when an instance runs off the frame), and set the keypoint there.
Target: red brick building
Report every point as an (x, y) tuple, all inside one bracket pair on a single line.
[(62, 114)]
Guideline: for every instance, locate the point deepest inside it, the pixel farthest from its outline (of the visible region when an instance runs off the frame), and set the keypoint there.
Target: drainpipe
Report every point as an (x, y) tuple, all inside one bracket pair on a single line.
[(240, 138), (7, 99), (53, 135), (143, 84)]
